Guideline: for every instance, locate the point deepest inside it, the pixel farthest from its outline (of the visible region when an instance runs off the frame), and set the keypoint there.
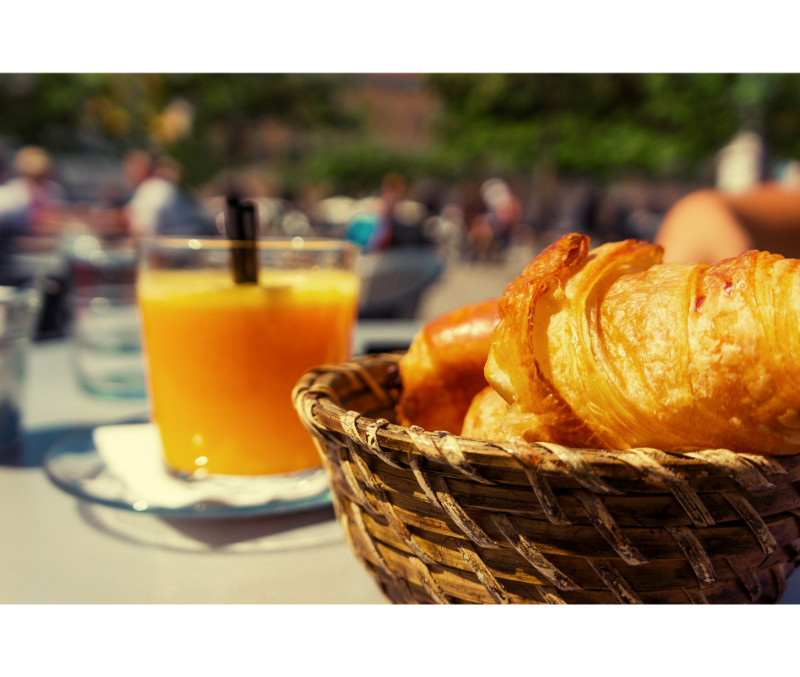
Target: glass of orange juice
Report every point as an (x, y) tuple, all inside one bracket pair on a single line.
[(222, 357)]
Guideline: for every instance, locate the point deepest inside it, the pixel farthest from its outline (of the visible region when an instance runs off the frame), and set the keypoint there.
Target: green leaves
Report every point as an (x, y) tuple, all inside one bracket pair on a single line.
[(317, 127), (598, 123)]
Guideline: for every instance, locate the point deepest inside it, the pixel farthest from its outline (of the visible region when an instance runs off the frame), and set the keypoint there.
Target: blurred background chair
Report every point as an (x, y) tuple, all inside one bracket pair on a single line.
[(394, 282)]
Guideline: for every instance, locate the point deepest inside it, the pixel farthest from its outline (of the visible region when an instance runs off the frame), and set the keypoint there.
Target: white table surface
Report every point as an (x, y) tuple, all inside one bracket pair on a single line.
[(57, 549)]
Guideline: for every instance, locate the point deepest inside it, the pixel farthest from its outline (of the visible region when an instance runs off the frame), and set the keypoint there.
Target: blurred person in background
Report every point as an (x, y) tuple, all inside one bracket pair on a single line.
[(158, 206), (410, 216), (506, 216), (29, 199), (246, 183), (108, 216), (607, 218), (32, 207), (408, 225), (5, 165), (392, 193), (491, 231), (543, 205), (374, 224), (745, 210), (366, 226), (480, 237), (150, 196), (709, 225), (496, 196), (447, 231)]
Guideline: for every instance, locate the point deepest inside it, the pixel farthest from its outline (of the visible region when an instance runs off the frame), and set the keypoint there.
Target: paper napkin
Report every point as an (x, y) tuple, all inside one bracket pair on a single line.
[(133, 455)]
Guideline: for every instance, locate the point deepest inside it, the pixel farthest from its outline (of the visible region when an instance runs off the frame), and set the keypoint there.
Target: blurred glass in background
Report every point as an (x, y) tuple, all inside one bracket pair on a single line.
[(104, 326), (18, 311)]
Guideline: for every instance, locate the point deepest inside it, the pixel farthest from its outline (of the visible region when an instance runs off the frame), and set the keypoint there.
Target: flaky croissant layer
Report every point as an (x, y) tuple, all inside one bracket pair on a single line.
[(610, 348)]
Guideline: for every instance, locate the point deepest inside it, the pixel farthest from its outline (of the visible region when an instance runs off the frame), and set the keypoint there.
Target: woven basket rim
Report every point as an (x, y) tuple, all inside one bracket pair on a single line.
[(319, 390)]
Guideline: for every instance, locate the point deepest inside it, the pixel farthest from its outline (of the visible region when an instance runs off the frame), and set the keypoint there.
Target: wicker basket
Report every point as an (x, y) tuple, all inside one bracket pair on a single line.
[(440, 518)]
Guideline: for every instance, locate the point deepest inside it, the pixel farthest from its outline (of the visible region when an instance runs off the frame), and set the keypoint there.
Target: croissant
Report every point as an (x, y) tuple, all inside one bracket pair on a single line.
[(610, 348), (443, 368)]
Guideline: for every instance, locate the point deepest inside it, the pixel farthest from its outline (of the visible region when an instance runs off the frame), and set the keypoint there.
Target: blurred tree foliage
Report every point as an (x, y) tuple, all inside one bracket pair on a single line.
[(203, 120), (594, 124), (355, 166), (662, 124)]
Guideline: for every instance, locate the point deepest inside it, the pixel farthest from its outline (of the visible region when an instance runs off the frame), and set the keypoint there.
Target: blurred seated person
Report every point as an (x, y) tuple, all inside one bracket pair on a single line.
[(708, 225), (158, 206), (108, 214), (367, 228), (480, 237), (30, 197), (504, 212), (407, 221)]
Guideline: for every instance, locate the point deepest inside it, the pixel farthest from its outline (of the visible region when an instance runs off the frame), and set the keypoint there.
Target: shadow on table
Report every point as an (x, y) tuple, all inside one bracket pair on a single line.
[(251, 534), (236, 535), (30, 450)]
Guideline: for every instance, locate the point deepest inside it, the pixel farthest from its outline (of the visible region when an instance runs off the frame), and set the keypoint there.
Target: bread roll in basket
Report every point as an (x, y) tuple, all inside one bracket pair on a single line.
[(638, 437)]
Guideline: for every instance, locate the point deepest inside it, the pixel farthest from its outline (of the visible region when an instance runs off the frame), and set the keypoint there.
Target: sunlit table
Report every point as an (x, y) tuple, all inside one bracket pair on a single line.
[(57, 549)]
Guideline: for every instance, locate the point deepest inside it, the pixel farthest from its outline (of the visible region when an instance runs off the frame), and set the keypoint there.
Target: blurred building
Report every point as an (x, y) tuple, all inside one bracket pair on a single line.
[(399, 108), (395, 109)]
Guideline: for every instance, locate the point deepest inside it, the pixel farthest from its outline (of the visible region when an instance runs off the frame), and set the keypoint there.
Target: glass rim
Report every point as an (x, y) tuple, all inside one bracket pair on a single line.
[(288, 244)]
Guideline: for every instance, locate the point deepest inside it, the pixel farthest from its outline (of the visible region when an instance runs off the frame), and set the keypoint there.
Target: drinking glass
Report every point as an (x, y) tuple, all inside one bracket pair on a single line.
[(223, 356), (106, 344), (104, 318), (19, 309)]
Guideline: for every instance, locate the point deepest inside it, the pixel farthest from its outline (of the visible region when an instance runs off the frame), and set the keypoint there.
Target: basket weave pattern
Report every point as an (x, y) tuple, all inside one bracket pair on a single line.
[(438, 518)]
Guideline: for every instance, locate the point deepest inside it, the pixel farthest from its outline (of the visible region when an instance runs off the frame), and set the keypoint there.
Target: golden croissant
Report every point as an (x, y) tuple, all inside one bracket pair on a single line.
[(610, 348), (443, 368)]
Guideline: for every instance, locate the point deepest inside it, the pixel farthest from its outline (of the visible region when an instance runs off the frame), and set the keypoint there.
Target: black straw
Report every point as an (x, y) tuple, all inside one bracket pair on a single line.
[(241, 227)]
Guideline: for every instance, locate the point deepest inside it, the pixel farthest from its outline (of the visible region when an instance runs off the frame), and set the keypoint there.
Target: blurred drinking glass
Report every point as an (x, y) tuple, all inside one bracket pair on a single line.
[(106, 345), (223, 357), (19, 308)]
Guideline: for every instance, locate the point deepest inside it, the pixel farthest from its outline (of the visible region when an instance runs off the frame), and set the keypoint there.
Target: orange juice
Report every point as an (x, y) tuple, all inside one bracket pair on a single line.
[(223, 359)]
